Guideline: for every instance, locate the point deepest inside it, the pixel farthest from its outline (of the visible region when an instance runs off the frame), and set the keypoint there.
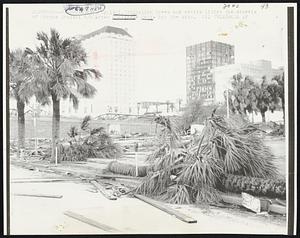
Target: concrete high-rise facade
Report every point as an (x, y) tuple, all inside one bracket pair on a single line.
[(111, 51), (201, 59)]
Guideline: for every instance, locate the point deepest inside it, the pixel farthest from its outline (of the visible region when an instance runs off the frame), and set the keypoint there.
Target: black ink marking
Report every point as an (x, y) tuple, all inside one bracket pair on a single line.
[(125, 15), (84, 9), (122, 19)]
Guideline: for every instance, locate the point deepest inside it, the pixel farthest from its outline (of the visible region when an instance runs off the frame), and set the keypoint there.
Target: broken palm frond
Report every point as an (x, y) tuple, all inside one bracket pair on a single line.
[(178, 194), (157, 153), (207, 195), (240, 148), (73, 152), (73, 132), (97, 144), (85, 123), (224, 147), (127, 169), (169, 132), (255, 186)]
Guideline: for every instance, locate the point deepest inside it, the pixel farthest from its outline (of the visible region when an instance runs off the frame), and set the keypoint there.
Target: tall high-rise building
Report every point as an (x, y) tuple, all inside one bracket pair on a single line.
[(111, 51), (201, 59)]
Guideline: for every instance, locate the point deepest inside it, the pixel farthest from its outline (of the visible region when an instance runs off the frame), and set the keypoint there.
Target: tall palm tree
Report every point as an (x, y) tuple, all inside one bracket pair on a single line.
[(19, 72), (59, 74), (279, 91)]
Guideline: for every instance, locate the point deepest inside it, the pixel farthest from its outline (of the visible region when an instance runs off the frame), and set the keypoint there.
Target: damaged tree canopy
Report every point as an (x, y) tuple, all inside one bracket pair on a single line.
[(193, 173), (91, 143)]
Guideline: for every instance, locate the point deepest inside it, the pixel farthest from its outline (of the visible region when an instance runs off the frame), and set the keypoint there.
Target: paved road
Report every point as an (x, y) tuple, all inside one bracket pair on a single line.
[(31, 215)]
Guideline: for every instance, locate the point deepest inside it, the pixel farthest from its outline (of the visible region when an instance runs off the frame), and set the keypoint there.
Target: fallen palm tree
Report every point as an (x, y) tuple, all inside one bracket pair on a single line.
[(127, 169), (255, 186), (193, 173)]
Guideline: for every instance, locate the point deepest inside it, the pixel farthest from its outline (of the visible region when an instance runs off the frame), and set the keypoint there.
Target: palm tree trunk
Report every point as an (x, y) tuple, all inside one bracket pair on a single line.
[(263, 116), (21, 125), (55, 126), (255, 186)]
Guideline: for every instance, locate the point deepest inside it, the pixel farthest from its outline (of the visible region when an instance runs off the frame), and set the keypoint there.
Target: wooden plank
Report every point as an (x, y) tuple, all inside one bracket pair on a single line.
[(238, 201), (91, 222), (278, 209), (88, 175), (100, 160), (166, 209), (103, 191), (251, 202), (280, 202), (42, 180), (232, 199), (38, 195), (117, 176)]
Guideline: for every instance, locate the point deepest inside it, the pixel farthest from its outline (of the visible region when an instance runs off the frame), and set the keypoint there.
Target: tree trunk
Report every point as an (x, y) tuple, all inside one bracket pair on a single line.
[(283, 110), (21, 125), (55, 126), (263, 116), (255, 186)]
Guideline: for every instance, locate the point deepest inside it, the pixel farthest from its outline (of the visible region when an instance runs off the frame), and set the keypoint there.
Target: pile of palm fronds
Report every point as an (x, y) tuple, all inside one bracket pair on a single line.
[(255, 186), (240, 148), (92, 143), (191, 173), (127, 169), (277, 129)]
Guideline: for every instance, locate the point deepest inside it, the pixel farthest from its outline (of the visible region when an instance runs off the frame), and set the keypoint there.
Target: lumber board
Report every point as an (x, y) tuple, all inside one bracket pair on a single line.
[(91, 222), (42, 180), (103, 191), (116, 176), (100, 160), (38, 195), (280, 202), (278, 209), (238, 201), (90, 175), (232, 199), (166, 209)]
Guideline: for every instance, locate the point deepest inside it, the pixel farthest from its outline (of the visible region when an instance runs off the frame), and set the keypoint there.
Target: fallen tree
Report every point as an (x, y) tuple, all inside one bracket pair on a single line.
[(193, 172)]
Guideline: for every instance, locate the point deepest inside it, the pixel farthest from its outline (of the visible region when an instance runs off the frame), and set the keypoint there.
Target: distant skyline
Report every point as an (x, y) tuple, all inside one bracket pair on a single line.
[(161, 43)]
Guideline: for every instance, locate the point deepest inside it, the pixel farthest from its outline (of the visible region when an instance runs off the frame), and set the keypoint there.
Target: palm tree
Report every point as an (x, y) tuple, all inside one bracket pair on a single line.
[(19, 72), (262, 98), (59, 74), (277, 91)]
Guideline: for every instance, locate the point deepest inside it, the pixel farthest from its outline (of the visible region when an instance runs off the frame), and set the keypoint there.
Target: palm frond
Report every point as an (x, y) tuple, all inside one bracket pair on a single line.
[(85, 123)]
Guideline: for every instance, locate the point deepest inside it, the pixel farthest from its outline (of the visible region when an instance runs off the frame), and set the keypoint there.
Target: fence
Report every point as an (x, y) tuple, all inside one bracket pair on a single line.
[(44, 126)]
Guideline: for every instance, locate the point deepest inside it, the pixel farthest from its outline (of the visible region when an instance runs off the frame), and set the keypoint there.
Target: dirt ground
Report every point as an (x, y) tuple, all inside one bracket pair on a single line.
[(32, 215)]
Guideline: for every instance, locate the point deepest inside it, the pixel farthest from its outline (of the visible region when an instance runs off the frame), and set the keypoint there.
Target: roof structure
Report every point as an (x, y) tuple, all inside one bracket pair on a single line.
[(106, 29)]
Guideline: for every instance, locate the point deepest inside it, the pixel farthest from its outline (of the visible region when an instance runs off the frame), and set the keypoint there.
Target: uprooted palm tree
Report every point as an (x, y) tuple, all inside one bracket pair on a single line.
[(58, 71), (193, 174), (19, 75)]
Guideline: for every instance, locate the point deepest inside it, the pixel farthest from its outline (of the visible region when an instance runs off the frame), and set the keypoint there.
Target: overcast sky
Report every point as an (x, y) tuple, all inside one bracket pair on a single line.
[(256, 33)]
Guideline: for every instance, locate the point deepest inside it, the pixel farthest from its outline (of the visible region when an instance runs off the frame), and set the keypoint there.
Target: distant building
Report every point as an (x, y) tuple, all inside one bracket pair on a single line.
[(201, 59), (222, 76), (111, 51), (166, 107)]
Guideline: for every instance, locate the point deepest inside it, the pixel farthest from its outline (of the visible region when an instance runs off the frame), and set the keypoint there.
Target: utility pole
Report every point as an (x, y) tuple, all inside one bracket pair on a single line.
[(34, 126), (227, 101)]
